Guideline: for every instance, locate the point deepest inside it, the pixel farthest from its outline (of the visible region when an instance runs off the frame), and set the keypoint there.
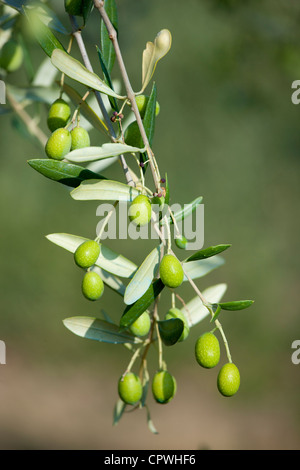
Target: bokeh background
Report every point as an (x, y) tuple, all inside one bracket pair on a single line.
[(227, 131)]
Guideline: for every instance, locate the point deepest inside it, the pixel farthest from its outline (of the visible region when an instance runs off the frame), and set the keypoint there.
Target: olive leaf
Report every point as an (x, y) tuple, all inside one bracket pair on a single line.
[(109, 191), (78, 72), (85, 109), (62, 172), (183, 213), (43, 34), (170, 330), (143, 277), (236, 305), (199, 268), (108, 260), (153, 53), (98, 330), (132, 312), (108, 51), (207, 252), (118, 411)]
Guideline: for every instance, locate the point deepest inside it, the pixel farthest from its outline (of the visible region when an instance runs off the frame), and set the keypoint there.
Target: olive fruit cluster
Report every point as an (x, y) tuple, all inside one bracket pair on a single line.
[(85, 257), (62, 141), (207, 352), (130, 388)]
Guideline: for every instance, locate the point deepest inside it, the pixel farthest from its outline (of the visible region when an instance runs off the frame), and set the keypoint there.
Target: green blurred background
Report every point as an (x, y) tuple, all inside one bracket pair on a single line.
[(227, 131)]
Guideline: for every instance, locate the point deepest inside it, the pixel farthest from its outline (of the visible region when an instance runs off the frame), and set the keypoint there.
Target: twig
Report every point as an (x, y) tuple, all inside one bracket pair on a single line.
[(78, 36), (99, 5)]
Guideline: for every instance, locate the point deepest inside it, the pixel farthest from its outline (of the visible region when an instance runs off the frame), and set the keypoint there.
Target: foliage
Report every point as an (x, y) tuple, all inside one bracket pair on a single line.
[(112, 112)]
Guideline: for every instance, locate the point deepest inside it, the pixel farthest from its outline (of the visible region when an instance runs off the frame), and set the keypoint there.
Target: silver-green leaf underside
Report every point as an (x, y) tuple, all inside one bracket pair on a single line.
[(199, 268), (91, 154)]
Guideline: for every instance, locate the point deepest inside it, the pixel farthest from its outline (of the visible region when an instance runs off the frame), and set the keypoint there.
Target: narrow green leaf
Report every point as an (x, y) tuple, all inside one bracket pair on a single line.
[(236, 304), (170, 330), (98, 330), (167, 196), (65, 173), (199, 268), (78, 72), (108, 51), (153, 53), (85, 109), (108, 260), (105, 190), (16, 4), (195, 311), (132, 312), (92, 154), (46, 16), (118, 411), (186, 211), (207, 252), (143, 277), (43, 34)]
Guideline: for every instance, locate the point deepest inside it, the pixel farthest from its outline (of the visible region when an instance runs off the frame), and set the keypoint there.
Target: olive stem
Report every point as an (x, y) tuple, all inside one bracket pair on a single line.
[(99, 5), (78, 36), (30, 123)]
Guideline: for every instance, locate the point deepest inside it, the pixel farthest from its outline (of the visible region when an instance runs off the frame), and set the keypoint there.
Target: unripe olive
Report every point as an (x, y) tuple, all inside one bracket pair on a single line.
[(207, 350), (58, 144), (171, 272), (181, 242), (176, 313), (92, 286), (80, 138), (87, 254), (140, 210), (142, 325), (142, 101), (163, 387), (11, 56), (58, 115), (130, 388), (132, 135), (74, 7), (228, 380)]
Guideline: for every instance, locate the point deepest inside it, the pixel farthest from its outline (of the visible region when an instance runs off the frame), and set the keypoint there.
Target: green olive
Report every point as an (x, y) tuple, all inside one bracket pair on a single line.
[(207, 350), (59, 114), (141, 326), (11, 56), (228, 380), (80, 138), (140, 210), (176, 313)]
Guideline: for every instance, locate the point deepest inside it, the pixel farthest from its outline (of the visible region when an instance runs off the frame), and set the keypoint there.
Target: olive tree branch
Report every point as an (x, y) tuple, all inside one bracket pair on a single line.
[(99, 5), (76, 31)]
